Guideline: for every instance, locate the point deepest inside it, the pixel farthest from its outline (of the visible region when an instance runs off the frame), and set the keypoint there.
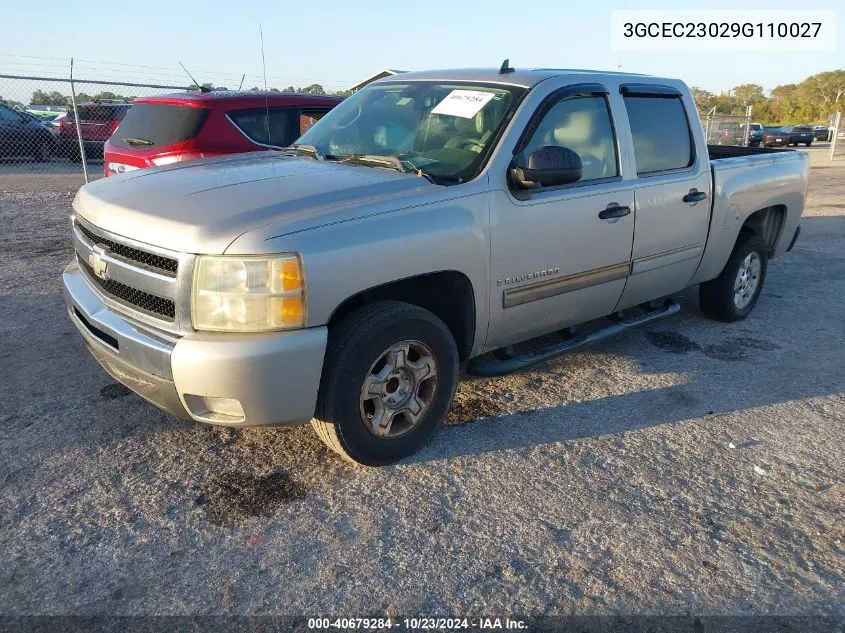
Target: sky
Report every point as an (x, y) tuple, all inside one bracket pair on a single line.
[(337, 43)]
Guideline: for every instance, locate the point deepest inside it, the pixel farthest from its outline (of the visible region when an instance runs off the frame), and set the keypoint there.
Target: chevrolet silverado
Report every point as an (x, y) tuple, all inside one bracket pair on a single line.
[(489, 219)]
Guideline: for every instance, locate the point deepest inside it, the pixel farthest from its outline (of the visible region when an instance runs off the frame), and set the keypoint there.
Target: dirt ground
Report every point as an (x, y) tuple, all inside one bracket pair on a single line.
[(687, 467)]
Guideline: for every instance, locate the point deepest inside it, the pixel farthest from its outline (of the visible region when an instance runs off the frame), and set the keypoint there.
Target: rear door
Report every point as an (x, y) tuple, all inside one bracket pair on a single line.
[(673, 192)]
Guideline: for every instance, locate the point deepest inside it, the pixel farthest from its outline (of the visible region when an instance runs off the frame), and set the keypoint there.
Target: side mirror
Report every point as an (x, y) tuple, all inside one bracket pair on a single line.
[(548, 166)]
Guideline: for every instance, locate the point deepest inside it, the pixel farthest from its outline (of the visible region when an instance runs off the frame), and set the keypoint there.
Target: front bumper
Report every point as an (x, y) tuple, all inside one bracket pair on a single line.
[(274, 377)]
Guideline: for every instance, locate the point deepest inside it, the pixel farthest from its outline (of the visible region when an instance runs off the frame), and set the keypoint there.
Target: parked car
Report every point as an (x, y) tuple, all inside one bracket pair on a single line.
[(23, 135), (431, 219), (755, 137), (187, 126), (799, 135), (775, 137), (98, 120), (821, 133)]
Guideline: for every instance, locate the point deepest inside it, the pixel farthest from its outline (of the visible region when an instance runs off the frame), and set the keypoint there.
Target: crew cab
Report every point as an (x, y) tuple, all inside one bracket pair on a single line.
[(490, 219), (173, 128)]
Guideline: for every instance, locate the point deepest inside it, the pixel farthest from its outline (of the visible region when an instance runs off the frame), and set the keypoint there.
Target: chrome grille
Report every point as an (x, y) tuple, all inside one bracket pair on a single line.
[(159, 263), (152, 285), (151, 304)]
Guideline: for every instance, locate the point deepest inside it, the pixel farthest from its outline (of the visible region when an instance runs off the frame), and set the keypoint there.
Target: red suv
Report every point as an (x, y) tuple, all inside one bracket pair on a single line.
[(98, 120), (186, 126)]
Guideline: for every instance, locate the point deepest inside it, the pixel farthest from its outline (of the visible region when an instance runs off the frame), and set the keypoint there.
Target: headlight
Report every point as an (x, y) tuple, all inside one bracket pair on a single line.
[(248, 294)]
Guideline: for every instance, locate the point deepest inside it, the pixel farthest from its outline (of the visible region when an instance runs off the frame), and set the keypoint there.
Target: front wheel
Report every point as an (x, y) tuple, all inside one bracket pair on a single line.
[(732, 295), (389, 376)]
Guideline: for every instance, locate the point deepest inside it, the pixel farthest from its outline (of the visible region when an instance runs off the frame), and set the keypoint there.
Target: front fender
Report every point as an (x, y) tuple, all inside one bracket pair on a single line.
[(345, 258)]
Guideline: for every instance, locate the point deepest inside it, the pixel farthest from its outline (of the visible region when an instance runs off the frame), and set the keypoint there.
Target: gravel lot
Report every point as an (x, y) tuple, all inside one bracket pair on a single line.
[(688, 467)]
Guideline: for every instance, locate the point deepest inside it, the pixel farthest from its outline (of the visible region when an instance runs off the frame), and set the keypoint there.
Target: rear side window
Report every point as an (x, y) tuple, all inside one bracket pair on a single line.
[(259, 128), (307, 118), (661, 133), (152, 125)]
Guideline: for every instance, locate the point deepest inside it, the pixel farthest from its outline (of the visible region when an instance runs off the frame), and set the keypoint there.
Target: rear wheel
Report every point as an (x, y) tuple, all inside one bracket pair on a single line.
[(389, 376), (808, 143), (732, 295)]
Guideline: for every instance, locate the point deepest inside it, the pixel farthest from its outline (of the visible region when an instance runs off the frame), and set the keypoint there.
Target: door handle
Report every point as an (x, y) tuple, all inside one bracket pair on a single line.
[(614, 211), (695, 195)]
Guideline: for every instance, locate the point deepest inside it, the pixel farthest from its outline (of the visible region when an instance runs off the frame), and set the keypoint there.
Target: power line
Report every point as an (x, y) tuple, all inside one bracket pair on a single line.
[(172, 70)]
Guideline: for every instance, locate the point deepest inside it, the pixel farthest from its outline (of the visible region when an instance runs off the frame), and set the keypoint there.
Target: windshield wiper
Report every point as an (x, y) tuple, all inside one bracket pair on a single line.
[(391, 162), (138, 141), (308, 150)]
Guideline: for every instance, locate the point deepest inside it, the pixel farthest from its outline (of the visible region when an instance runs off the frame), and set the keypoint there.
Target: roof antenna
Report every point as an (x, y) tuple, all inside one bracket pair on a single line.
[(196, 83), (242, 81), (506, 68), (266, 100)]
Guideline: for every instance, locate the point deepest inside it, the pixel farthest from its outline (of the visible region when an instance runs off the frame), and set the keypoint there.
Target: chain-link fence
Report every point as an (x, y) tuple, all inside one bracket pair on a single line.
[(40, 128), (837, 138), (728, 129)]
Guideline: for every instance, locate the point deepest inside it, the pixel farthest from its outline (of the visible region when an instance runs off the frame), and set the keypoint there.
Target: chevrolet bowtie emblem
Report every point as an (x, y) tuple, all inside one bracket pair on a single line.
[(97, 263)]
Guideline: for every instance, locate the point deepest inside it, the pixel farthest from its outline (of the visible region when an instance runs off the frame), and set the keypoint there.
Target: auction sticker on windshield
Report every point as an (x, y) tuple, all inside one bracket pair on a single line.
[(463, 103)]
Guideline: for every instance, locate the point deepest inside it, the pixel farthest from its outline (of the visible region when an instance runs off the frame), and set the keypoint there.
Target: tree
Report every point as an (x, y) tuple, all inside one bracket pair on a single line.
[(703, 99), (313, 89), (748, 94), (39, 97)]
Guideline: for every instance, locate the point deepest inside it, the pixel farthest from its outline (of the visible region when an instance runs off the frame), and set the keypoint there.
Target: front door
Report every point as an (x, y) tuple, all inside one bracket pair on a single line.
[(554, 260)]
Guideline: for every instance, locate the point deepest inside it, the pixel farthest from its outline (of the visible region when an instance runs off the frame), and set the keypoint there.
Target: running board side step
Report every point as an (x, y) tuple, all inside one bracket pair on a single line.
[(506, 360)]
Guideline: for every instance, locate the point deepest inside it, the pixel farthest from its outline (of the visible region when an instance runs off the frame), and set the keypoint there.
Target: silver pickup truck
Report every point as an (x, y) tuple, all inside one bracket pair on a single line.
[(431, 220)]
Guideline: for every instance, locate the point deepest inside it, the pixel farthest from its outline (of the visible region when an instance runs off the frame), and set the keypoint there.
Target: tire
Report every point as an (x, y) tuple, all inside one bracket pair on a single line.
[(718, 297), (808, 143), (346, 421)]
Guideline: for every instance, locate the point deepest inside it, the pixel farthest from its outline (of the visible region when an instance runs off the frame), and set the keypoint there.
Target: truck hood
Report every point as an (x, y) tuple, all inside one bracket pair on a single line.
[(203, 206)]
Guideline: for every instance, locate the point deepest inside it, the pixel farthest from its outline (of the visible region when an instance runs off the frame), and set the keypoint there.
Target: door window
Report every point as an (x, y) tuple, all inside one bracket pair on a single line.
[(661, 133), (583, 125), (9, 116)]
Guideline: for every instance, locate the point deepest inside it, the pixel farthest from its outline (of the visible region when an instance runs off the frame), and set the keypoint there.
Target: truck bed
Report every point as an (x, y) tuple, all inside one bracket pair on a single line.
[(751, 179), (718, 152)]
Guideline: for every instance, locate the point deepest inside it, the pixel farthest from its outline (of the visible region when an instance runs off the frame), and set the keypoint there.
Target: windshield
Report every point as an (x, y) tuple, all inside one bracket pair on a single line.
[(443, 130)]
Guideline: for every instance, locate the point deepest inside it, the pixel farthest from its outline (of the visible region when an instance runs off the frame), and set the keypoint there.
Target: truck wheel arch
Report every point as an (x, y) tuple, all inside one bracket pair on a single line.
[(766, 223), (448, 294)]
